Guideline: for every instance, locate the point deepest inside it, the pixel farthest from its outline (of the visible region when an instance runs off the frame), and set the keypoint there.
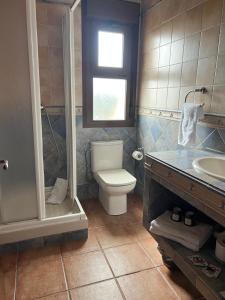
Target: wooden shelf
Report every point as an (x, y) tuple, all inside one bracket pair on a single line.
[(210, 288)]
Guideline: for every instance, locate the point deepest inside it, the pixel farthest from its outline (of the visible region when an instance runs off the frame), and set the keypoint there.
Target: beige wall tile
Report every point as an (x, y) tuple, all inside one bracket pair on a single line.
[(149, 78), (209, 42), (45, 76), (191, 47), (161, 98), (178, 27), (177, 52), (55, 36), (42, 31), (222, 39), (148, 97), (43, 57), (189, 71), (218, 102), (151, 40), (175, 75), (55, 57), (165, 33), (42, 16), (173, 98), (212, 11), (163, 77), (193, 20), (223, 14), (206, 71), (152, 59), (56, 13), (220, 71), (164, 55)]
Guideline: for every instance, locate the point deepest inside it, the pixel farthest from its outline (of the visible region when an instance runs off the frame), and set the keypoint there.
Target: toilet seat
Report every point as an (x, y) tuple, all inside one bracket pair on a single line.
[(117, 177)]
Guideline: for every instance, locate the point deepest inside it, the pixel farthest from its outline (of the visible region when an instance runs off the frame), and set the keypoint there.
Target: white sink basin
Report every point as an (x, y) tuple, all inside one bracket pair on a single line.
[(212, 166)]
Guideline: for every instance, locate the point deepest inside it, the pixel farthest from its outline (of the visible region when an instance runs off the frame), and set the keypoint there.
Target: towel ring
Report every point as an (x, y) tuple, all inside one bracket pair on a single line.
[(202, 90)]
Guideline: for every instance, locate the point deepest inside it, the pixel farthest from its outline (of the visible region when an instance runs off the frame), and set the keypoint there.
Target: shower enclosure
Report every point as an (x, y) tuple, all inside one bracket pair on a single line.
[(25, 129)]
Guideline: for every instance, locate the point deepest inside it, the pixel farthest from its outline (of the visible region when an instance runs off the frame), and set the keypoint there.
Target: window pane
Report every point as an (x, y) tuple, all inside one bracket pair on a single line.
[(110, 49), (109, 99)]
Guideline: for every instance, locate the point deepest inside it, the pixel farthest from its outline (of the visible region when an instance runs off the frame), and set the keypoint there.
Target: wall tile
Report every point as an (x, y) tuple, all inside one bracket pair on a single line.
[(42, 32), (148, 98), (166, 33), (223, 14), (220, 72), (175, 75), (42, 15), (189, 72), (55, 36), (222, 39), (177, 52), (209, 42), (191, 47), (163, 77), (161, 98), (56, 13), (173, 98), (212, 11), (218, 103), (152, 60), (206, 71), (151, 39), (193, 20), (55, 57), (164, 55), (149, 78), (178, 27), (43, 57)]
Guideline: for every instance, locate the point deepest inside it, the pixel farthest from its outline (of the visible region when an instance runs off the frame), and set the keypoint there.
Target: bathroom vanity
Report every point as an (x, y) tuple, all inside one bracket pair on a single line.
[(171, 180)]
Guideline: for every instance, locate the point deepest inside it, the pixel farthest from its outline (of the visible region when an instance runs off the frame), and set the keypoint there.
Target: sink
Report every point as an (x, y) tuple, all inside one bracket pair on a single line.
[(212, 166)]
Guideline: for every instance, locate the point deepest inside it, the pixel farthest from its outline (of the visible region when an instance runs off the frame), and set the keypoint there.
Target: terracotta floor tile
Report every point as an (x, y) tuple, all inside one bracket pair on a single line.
[(37, 279), (146, 285), (40, 254), (7, 276), (138, 231), (127, 259), (99, 291), (150, 246), (58, 296), (86, 268), (182, 286), (113, 235), (81, 246)]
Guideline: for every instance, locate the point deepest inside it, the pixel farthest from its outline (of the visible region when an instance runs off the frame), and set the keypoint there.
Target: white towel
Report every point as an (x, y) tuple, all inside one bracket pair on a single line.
[(191, 237), (191, 113), (59, 191)]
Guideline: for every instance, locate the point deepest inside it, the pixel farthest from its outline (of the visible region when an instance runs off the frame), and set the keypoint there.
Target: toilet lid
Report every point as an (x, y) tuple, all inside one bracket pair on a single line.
[(116, 177)]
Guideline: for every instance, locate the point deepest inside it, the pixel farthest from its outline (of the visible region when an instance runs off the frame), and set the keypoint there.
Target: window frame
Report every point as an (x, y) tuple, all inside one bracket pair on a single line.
[(91, 27)]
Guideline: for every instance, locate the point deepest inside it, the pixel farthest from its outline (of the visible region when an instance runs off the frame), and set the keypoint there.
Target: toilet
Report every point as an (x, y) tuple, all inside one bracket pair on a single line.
[(114, 182)]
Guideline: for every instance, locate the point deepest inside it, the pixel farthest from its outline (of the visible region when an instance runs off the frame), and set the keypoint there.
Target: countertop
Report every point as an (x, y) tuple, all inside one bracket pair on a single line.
[(181, 160)]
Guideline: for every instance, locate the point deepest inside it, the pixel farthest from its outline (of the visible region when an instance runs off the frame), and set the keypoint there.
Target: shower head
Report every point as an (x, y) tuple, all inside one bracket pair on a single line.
[(42, 107)]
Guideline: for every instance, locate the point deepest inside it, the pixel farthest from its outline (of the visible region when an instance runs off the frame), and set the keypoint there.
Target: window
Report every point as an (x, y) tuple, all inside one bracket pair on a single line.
[(109, 73)]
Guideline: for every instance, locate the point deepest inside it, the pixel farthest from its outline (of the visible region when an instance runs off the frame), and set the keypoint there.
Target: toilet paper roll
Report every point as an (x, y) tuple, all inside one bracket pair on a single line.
[(220, 248), (137, 155)]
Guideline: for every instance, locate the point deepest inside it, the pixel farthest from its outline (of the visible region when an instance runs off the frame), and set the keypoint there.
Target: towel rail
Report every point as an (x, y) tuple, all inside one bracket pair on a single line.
[(202, 90)]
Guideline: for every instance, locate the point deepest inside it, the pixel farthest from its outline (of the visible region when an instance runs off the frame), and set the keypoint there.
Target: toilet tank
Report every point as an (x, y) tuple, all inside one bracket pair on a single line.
[(106, 155)]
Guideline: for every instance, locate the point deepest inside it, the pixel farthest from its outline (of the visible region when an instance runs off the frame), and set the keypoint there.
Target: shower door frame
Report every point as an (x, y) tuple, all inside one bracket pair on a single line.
[(42, 226)]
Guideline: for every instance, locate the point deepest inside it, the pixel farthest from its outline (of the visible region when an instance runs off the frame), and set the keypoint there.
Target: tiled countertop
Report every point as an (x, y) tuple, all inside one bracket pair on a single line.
[(181, 160)]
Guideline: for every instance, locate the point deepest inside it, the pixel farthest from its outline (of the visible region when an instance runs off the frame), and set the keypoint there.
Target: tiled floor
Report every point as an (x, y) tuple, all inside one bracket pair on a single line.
[(119, 261)]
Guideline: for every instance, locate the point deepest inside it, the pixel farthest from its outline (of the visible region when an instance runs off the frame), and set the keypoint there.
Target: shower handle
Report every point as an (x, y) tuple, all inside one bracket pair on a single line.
[(4, 164)]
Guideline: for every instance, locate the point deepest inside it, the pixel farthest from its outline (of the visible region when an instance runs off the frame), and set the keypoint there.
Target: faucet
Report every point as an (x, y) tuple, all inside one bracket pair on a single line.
[(4, 164)]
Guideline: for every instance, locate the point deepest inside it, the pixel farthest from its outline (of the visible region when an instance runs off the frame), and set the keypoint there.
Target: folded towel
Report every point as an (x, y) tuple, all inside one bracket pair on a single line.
[(191, 237), (59, 191), (191, 113)]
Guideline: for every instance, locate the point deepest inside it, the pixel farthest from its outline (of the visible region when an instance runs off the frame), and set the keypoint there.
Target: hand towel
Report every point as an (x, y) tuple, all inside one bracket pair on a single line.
[(191, 237), (191, 113), (59, 191)]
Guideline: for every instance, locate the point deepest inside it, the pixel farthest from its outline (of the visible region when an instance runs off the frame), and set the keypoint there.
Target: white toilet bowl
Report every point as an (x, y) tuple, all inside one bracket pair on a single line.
[(114, 182), (114, 185)]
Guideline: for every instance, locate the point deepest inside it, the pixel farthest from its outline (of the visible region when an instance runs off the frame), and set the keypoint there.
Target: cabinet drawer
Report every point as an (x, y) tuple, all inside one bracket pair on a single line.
[(205, 290), (157, 168)]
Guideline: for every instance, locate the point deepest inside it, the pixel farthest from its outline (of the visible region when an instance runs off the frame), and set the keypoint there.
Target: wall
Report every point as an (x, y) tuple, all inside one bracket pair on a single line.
[(50, 48), (182, 47)]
